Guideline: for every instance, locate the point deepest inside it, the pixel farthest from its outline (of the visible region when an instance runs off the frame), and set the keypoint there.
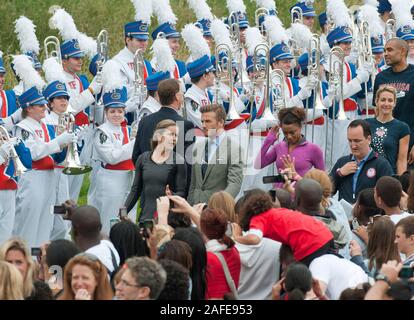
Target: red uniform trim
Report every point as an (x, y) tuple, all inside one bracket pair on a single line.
[(126, 164), (5, 105), (235, 123), (317, 122), (6, 182)]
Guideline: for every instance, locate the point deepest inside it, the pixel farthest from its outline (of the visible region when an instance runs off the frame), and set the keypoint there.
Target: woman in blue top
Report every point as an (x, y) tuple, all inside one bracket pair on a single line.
[(390, 137)]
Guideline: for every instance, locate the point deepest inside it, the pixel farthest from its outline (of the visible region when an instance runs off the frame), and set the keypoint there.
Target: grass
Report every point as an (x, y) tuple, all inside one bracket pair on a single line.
[(91, 16)]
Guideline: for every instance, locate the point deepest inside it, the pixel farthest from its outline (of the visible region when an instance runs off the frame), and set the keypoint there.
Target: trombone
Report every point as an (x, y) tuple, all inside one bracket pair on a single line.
[(259, 14), (103, 57), (19, 168), (52, 48), (71, 164), (365, 55), (140, 89), (233, 20), (390, 29), (336, 74), (277, 81), (224, 74), (296, 15)]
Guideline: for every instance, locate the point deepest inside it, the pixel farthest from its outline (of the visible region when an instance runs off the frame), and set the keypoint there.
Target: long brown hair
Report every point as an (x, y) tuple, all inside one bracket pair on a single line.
[(159, 129), (224, 201), (325, 182), (213, 224), (381, 244), (103, 290)]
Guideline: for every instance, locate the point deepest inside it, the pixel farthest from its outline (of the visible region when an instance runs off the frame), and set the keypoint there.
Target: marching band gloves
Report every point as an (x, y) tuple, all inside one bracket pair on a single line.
[(311, 83), (364, 71), (96, 84), (133, 103), (5, 151), (66, 138), (224, 95), (304, 93), (81, 132)]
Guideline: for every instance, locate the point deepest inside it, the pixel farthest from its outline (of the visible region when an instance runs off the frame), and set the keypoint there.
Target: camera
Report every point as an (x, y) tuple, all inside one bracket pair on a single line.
[(123, 213), (147, 224), (36, 252), (274, 179), (406, 272)]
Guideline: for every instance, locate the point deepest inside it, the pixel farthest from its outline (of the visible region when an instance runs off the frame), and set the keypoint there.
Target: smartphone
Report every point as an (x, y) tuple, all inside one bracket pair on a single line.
[(123, 213), (58, 210), (36, 252), (273, 179), (406, 272), (145, 225)]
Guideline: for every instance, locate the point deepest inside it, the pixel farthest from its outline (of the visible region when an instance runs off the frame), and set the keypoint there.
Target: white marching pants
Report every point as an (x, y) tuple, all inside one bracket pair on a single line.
[(61, 227), (336, 145), (35, 196), (112, 188), (75, 185), (7, 213), (92, 182)]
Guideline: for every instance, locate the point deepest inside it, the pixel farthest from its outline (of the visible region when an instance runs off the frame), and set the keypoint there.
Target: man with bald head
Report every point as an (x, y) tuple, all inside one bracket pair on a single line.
[(86, 232), (400, 75)]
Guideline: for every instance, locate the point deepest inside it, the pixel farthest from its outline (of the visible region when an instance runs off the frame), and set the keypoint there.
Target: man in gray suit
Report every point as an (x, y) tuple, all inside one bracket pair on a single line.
[(218, 160)]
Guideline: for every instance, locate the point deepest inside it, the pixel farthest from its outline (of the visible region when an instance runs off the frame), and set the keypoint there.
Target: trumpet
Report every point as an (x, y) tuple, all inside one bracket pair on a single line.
[(390, 29), (224, 73), (52, 48), (365, 54), (235, 39), (19, 168), (72, 165), (277, 82)]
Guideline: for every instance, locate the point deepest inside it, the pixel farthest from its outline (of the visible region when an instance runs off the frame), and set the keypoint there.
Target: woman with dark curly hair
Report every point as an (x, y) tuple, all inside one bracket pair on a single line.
[(294, 151)]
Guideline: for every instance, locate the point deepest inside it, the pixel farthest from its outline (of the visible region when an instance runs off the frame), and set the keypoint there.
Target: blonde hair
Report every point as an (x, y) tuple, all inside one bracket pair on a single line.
[(325, 182), (11, 282), (385, 88), (224, 201), (159, 129), (20, 245)]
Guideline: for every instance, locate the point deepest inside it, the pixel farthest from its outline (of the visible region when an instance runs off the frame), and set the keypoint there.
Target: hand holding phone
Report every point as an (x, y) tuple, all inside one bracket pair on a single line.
[(147, 224), (123, 214), (274, 179), (406, 272), (36, 252)]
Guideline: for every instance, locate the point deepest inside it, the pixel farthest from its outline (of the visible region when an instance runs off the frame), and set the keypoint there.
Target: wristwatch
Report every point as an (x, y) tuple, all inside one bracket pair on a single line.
[(382, 277)]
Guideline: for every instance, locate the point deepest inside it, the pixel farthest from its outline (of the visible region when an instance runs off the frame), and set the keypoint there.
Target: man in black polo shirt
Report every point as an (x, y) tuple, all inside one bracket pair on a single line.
[(400, 75), (362, 168)]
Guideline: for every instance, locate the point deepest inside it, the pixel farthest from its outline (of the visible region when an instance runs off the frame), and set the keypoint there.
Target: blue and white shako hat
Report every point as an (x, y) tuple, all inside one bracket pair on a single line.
[(71, 49), (115, 94), (384, 6), (278, 38), (377, 44), (338, 35), (204, 16), (307, 8), (323, 19), (138, 29), (166, 20), (262, 18), (56, 79), (55, 89), (250, 63), (154, 79), (303, 61), (280, 51), (2, 68), (31, 79), (239, 15), (335, 10), (199, 67), (403, 19), (254, 39), (223, 58)]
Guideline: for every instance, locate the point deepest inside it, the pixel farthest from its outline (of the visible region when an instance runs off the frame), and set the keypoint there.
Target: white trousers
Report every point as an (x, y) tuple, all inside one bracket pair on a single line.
[(112, 188), (7, 213), (61, 227), (35, 196), (92, 182)]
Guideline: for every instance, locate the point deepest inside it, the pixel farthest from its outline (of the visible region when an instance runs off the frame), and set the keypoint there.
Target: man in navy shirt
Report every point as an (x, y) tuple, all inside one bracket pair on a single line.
[(400, 75), (362, 168)]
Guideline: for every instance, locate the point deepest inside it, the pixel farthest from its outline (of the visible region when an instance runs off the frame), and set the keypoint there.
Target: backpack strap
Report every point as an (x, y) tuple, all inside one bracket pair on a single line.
[(229, 279)]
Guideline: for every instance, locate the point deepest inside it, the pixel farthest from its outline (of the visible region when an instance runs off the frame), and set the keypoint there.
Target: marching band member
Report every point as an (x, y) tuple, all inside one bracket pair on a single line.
[(136, 38), (204, 18), (405, 25), (281, 58), (113, 148), (201, 72), (10, 113), (29, 45), (58, 102), (323, 23), (166, 29), (36, 188), (385, 10), (308, 12)]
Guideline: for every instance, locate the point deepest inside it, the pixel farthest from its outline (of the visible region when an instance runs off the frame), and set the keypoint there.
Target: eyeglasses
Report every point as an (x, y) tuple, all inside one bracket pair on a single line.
[(127, 284)]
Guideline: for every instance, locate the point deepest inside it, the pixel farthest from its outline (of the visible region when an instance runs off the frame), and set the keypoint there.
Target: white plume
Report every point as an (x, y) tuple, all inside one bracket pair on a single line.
[(53, 70), (143, 10), (24, 69), (268, 4), (301, 34), (275, 29), (26, 33), (63, 21), (195, 41), (402, 13), (236, 6), (87, 44), (1, 54), (253, 38), (220, 32), (111, 76), (338, 11), (373, 3), (201, 9), (163, 55), (370, 14), (163, 11)]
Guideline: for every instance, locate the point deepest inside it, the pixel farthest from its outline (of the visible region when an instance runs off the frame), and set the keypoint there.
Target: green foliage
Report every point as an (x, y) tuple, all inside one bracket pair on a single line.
[(91, 16)]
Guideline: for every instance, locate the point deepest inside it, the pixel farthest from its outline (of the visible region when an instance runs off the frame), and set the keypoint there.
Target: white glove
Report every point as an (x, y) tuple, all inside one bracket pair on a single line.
[(81, 132), (368, 67), (5, 149), (224, 96), (96, 84), (304, 93), (362, 75), (312, 81), (66, 138), (132, 103)]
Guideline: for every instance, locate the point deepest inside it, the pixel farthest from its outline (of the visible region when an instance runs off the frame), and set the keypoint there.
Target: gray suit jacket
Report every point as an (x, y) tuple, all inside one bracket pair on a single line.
[(224, 171)]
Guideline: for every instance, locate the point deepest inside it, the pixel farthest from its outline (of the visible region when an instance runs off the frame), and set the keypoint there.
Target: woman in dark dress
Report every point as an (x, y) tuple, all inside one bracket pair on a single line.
[(157, 169), (390, 137)]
